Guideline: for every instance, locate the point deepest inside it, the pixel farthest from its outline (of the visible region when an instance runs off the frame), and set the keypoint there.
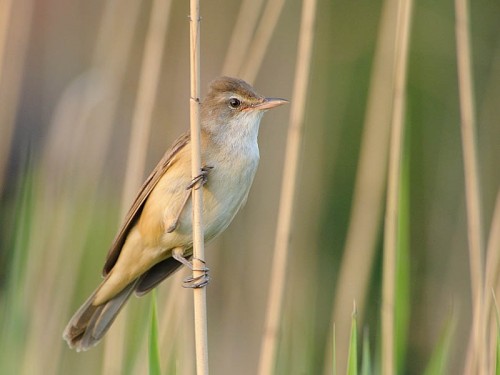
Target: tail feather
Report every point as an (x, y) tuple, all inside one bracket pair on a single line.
[(89, 324)]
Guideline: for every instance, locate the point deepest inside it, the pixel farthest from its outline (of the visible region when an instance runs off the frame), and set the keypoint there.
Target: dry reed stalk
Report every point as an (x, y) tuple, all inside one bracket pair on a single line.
[(110, 57), (288, 188), (172, 302), (200, 294), (48, 240), (174, 308), (366, 212), (241, 36), (15, 26), (492, 279), (476, 356), (5, 15), (69, 165), (7, 127), (146, 95), (261, 40), (494, 324), (393, 187), (40, 281)]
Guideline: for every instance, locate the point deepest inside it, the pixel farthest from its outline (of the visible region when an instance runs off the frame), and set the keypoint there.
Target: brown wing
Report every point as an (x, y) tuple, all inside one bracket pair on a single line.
[(135, 211)]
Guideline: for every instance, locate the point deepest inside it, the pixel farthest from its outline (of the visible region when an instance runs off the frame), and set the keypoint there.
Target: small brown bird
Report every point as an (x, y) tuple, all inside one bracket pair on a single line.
[(156, 237)]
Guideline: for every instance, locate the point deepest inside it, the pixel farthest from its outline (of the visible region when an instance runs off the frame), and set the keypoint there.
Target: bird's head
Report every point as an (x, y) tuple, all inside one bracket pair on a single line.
[(234, 108)]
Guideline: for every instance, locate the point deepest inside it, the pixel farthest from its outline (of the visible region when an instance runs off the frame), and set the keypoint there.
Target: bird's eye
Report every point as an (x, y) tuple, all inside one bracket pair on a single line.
[(234, 103)]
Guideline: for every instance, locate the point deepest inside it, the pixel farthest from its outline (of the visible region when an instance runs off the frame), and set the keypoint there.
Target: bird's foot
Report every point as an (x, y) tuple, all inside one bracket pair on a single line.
[(192, 281), (201, 179), (197, 281)]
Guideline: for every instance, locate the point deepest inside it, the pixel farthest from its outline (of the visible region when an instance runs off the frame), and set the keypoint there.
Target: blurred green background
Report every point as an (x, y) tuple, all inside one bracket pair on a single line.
[(69, 79)]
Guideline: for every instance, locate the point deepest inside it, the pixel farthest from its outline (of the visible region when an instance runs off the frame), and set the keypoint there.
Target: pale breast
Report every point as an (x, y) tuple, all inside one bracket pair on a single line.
[(226, 191)]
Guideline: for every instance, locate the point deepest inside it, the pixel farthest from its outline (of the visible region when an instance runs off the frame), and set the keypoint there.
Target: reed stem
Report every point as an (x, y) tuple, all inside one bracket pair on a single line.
[(200, 296)]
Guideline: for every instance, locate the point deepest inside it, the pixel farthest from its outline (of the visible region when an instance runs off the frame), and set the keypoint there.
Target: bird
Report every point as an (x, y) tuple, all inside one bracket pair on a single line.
[(155, 238)]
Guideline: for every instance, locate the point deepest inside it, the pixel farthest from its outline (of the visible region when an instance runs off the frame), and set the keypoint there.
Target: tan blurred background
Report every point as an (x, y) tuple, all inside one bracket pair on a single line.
[(70, 76)]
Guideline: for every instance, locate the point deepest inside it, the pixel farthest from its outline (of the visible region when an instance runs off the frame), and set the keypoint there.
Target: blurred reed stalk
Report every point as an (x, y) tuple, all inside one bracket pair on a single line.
[(241, 36), (492, 286), (112, 52), (15, 26), (172, 310), (69, 172), (391, 229), (261, 39), (200, 294), (175, 317), (146, 99), (366, 211), (476, 356), (5, 15), (6, 127), (288, 187), (139, 140)]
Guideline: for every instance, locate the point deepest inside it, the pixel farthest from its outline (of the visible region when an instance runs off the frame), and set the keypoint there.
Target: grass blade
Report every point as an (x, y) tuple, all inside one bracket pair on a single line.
[(402, 305), (352, 361), (154, 348), (12, 316), (366, 364), (439, 358), (334, 355)]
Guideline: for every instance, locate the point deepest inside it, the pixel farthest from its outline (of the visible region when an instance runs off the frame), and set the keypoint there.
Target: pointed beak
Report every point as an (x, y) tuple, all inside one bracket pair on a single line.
[(269, 103)]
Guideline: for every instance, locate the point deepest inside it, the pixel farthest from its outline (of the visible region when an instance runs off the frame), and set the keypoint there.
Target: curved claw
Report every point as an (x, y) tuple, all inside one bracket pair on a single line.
[(201, 179), (196, 282), (192, 281)]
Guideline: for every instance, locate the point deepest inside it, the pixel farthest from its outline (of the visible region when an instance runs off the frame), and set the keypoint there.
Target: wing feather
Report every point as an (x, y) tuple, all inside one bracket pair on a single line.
[(136, 208)]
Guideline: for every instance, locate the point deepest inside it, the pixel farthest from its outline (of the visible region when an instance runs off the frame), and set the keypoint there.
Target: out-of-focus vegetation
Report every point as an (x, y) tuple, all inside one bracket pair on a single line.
[(70, 73)]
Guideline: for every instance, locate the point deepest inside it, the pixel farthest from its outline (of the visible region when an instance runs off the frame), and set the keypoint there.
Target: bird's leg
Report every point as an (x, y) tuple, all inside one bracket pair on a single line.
[(192, 282), (199, 181), (173, 225)]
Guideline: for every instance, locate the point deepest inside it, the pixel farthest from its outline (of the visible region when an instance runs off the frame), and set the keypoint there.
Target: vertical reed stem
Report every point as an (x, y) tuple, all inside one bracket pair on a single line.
[(146, 94), (288, 187), (476, 354), (393, 187), (200, 309), (491, 280), (358, 254), (260, 42)]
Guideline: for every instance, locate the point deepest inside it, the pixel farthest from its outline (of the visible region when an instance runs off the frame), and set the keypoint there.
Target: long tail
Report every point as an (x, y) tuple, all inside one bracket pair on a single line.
[(89, 324)]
